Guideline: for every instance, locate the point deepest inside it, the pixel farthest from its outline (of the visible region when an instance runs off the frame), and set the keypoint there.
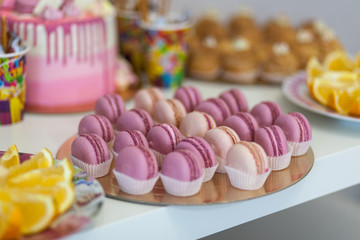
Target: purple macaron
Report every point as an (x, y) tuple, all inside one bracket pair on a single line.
[(129, 138), (137, 162), (96, 124), (135, 119), (244, 124), (163, 138), (110, 106), (235, 100), (90, 149), (182, 165), (215, 107), (273, 140), (189, 96), (201, 147), (295, 126), (266, 113)]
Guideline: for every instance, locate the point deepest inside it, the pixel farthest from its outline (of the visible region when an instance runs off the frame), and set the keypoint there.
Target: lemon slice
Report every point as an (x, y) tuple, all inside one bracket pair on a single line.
[(357, 61), (338, 61), (43, 159), (10, 221), (4, 173), (355, 107), (10, 157), (63, 194)]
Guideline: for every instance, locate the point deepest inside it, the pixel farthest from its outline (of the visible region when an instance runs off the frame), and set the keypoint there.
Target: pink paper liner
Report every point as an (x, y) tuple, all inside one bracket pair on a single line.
[(94, 170), (134, 186), (241, 180), (221, 165), (281, 162), (209, 172), (299, 148), (181, 188), (159, 156)]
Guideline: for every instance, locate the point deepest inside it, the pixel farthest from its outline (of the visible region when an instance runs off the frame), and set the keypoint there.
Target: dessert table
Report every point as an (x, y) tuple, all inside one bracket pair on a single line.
[(336, 146)]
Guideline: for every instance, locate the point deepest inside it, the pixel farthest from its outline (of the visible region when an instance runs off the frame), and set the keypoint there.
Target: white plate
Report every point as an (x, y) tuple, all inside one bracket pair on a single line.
[(295, 89)]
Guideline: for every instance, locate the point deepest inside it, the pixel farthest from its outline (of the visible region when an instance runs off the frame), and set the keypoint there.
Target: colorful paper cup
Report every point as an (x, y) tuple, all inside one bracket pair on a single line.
[(130, 38), (166, 52), (12, 86)]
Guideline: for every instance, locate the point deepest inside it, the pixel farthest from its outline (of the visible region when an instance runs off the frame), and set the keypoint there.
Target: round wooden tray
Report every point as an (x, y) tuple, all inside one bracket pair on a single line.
[(217, 190)]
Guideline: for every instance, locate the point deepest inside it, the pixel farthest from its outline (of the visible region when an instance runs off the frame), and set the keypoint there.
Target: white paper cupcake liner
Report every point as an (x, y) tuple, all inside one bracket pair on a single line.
[(299, 148), (281, 162), (209, 172), (159, 156), (221, 165), (94, 170), (181, 188), (111, 144), (115, 154), (134, 186), (241, 180), (273, 77)]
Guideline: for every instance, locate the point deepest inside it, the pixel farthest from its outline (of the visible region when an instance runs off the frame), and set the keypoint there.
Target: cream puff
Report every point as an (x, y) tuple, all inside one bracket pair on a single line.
[(281, 64)]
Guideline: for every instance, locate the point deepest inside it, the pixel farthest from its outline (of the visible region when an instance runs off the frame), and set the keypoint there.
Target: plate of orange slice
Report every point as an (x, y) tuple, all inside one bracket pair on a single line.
[(43, 198), (330, 88)]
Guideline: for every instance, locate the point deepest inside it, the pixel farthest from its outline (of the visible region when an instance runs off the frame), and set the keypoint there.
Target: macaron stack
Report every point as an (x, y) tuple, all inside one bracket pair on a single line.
[(185, 140)]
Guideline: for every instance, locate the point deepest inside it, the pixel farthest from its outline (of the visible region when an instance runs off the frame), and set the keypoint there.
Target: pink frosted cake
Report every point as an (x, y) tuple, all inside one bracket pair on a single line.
[(72, 61)]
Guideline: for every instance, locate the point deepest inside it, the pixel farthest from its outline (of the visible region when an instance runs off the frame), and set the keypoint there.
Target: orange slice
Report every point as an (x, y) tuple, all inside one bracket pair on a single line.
[(338, 61), (341, 101), (47, 177), (10, 158), (63, 194), (357, 61), (37, 210), (323, 88), (10, 221), (313, 69), (43, 159), (355, 108)]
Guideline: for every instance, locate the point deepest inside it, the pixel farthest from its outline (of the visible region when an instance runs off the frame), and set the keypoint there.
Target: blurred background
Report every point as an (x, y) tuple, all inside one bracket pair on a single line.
[(341, 16)]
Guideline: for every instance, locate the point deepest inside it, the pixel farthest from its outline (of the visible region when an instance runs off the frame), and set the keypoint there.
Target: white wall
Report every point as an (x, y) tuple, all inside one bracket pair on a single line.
[(341, 15)]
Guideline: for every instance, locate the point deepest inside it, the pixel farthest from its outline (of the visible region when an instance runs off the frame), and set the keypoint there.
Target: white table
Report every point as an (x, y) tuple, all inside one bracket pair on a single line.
[(336, 145)]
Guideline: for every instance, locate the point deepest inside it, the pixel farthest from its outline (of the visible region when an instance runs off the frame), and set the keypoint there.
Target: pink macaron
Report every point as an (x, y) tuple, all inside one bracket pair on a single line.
[(189, 96), (135, 119), (163, 138), (169, 111), (183, 165), (137, 162), (90, 153), (295, 126), (297, 130), (146, 98), (90, 148), (202, 148), (196, 124), (247, 165), (244, 124), (129, 138), (266, 113), (235, 100), (273, 140), (215, 107), (221, 139), (110, 106), (96, 124)]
